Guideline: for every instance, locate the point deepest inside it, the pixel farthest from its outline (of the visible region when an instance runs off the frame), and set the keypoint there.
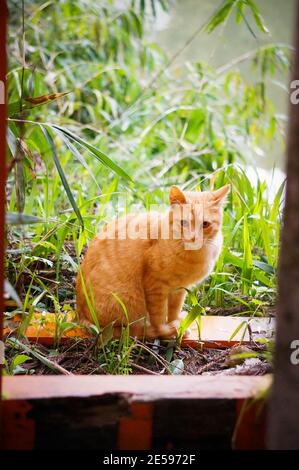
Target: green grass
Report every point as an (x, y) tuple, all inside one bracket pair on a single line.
[(110, 137)]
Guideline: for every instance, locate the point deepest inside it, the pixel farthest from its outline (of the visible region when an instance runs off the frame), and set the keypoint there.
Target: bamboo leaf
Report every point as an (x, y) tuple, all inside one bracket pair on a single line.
[(20, 179), (38, 100), (19, 359), (220, 16), (261, 277), (77, 154), (101, 156), (32, 102), (263, 266), (259, 21), (62, 175), (12, 141), (153, 8), (164, 5), (14, 218)]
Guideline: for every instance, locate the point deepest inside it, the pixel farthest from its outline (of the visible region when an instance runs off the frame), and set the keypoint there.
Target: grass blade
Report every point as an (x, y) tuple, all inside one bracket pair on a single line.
[(236, 331), (32, 102), (15, 218), (194, 313), (77, 155), (101, 156)]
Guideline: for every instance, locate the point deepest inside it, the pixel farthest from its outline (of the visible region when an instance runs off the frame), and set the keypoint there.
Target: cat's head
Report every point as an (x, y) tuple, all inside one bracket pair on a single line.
[(195, 216)]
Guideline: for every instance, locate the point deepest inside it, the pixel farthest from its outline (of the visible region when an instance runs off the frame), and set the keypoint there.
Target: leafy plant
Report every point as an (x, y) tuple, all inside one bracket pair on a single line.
[(95, 117), (15, 366)]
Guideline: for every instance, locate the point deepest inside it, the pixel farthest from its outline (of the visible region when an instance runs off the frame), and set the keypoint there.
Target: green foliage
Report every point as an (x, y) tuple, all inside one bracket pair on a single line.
[(85, 129), (15, 366), (240, 7)]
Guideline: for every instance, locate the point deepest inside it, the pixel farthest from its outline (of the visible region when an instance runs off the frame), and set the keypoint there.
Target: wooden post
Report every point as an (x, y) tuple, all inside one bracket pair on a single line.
[(3, 17), (283, 423)]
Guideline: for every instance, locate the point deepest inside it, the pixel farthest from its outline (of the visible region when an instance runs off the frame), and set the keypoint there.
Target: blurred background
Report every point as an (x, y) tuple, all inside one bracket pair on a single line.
[(172, 29)]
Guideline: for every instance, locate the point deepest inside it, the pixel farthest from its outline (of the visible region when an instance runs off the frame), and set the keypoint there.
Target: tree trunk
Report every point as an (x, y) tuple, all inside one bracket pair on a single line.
[(3, 16), (283, 422)]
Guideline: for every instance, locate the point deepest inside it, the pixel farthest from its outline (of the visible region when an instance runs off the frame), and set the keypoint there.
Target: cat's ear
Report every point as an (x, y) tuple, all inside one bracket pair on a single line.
[(176, 196), (220, 194)]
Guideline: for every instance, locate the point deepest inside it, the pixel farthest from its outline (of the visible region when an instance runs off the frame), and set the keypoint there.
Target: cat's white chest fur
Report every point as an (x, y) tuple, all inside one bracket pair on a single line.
[(206, 259)]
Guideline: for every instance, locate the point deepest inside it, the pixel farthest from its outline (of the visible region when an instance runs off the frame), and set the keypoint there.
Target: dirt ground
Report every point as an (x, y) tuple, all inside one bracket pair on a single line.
[(81, 356)]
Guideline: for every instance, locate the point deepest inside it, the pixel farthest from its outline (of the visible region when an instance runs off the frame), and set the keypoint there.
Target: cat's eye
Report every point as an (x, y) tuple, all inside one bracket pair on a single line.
[(184, 223), (206, 224)]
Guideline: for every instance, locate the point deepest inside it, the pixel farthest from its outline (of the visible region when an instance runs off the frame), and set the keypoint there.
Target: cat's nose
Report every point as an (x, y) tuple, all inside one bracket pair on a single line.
[(189, 235)]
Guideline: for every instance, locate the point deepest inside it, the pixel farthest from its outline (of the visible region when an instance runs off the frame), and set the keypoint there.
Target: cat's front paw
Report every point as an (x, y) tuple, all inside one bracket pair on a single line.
[(174, 325), (164, 331), (170, 330)]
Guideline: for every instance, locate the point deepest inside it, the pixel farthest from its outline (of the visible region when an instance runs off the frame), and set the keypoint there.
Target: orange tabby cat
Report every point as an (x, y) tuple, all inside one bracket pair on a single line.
[(147, 260)]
